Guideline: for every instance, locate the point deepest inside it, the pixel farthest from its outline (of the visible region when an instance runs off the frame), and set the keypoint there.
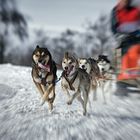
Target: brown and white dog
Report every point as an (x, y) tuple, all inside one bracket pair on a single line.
[(44, 74), (76, 80)]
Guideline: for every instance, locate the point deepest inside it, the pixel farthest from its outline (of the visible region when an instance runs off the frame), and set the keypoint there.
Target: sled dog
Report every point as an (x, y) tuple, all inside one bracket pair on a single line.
[(76, 80), (106, 72), (91, 67), (44, 74)]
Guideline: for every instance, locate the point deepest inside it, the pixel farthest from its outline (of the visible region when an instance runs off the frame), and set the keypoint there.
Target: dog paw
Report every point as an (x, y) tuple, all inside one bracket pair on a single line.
[(42, 103), (50, 107), (51, 100), (84, 113), (69, 102)]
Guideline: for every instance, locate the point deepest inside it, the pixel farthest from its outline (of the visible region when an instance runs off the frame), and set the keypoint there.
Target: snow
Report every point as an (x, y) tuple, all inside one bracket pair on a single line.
[(22, 116)]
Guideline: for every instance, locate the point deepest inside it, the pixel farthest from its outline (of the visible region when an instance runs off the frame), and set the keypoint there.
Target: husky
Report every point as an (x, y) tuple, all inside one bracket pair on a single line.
[(76, 80), (44, 74), (91, 67), (106, 72)]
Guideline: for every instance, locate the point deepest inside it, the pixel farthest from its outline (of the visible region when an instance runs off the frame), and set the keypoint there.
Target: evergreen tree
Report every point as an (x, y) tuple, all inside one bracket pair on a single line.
[(11, 20)]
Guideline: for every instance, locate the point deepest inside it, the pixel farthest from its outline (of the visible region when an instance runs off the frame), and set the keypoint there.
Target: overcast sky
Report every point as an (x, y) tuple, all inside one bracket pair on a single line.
[(61, 14)]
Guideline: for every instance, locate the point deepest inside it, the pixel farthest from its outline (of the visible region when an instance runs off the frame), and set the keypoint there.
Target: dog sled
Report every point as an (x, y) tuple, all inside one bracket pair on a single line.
[(128, 59)]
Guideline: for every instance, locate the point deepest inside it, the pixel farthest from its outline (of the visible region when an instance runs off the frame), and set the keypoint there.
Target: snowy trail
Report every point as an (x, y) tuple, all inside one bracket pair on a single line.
[(22, 117)]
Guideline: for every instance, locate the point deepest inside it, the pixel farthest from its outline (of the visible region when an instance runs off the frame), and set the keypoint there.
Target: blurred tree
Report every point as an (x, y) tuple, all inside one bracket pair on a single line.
[(11, 20), (67, 39), (61, 44), (41, 38), (98, 36)]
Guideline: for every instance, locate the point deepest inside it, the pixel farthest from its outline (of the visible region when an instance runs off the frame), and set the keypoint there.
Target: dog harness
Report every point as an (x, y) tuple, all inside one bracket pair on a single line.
[(43, 79), (41, 72), (70, 82)]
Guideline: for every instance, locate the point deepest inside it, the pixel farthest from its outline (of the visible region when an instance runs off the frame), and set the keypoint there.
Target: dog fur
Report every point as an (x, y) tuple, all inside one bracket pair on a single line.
[(75, 79), (44, 74), (91, 67), (106, 73)]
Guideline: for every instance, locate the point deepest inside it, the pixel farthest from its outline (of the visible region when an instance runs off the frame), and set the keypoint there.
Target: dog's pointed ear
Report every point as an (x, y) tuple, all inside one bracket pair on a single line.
[(105, 57), (37, 47), (78, 60), (96, 58), (66, 54)]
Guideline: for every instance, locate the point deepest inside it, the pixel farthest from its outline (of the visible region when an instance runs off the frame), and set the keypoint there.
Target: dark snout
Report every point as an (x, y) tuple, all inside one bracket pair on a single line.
[(103, 69), (83, 66), (66, 68), (42, 61)]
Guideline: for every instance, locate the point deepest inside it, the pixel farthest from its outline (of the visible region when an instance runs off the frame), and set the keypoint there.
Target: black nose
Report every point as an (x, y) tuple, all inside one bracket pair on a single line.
[(66, 68), (83, 66), (103, 69), (40, 60)]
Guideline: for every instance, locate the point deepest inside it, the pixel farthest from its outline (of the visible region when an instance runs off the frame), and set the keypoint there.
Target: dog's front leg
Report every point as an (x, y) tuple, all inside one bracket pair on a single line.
[(39, 88), (79, 98), (94, 88), (51, 99), (46, 93), (103, 92), (109, 90), (85, 95), (73, 97)]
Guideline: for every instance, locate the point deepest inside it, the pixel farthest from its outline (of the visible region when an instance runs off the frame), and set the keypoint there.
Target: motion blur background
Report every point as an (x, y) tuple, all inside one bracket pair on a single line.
[(80, 26)]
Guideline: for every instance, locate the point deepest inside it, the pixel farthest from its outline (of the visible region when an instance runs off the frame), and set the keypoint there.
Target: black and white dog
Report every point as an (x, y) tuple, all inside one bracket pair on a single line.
[(90, 66), (106, 73)]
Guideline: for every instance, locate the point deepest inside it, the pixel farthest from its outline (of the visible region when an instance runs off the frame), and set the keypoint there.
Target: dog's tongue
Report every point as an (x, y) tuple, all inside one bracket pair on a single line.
[(68, 72), (45, 67)]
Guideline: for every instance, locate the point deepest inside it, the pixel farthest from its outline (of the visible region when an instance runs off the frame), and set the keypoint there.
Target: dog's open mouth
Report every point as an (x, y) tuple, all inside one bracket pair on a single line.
[(67, 72), (85, 69), (45, 67)]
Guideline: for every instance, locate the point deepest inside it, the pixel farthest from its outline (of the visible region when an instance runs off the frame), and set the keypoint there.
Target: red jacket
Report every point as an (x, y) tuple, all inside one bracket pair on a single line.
[(125, 16), (125, 20)]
